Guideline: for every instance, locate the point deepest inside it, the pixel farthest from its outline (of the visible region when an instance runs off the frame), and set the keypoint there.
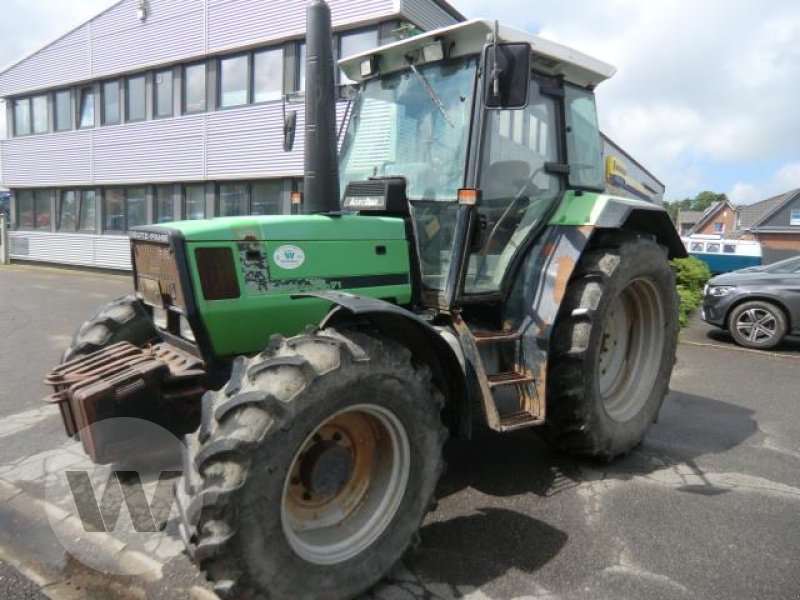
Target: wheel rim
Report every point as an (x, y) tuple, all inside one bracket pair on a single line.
[(632, 347), (345, 484), (757, 325)]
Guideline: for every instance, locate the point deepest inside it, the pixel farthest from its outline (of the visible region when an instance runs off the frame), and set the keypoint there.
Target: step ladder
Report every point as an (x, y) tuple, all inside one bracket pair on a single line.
[(530, 406)]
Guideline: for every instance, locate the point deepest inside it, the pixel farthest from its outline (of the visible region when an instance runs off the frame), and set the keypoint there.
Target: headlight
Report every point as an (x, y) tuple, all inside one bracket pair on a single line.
[(160, 317), (186, 329), (720, 290)]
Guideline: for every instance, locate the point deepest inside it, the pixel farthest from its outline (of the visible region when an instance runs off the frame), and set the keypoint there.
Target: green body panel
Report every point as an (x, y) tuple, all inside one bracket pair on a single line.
[(280, 256), (586, 208)]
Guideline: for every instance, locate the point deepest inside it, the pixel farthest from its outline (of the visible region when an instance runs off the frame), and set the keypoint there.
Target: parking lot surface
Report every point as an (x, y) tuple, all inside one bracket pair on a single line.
[(706, 507)]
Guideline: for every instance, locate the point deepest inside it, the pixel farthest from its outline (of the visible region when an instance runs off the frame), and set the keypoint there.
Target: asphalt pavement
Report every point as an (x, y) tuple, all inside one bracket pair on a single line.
[(707, 507)]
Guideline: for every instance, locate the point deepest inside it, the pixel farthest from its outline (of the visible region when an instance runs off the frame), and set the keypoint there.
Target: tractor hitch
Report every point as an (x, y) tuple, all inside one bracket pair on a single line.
[(160, 384)]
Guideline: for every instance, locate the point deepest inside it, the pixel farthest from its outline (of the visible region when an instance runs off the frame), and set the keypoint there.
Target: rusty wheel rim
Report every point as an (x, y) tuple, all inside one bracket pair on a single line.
[(345, 484)]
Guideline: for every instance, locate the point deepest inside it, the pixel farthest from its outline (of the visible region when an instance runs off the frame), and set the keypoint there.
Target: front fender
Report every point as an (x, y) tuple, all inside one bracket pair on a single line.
[(424, 341)]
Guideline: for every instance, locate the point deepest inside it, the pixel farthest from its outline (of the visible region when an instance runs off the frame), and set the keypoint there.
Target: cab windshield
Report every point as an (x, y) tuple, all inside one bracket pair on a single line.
[(415, 125)]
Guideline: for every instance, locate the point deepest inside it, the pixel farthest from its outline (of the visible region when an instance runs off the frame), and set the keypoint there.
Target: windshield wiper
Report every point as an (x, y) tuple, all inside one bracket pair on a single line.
[(432, 94)]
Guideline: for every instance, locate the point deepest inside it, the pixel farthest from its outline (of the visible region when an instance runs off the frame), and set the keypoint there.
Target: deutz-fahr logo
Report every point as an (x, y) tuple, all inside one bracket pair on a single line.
[(289, 257)]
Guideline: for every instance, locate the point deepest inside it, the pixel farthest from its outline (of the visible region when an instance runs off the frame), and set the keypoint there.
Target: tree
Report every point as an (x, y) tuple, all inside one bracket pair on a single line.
[(700, 203)]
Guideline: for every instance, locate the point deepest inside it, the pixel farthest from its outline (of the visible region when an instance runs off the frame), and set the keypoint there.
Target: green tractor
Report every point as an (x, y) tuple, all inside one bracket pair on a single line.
[(469, 270)]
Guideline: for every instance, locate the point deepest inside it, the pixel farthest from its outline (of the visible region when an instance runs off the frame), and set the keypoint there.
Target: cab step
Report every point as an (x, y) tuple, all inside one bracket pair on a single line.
[(530, 405)]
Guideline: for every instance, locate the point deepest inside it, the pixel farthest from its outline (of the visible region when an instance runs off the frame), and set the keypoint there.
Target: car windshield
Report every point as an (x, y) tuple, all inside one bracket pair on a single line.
[(415, 125)]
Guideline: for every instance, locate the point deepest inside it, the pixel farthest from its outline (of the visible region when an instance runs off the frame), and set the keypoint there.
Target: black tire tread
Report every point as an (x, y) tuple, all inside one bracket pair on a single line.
[(122, 320), (241, 415)]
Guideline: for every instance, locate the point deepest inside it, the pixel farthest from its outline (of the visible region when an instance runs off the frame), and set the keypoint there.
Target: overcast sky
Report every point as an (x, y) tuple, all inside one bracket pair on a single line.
[(704, 95)]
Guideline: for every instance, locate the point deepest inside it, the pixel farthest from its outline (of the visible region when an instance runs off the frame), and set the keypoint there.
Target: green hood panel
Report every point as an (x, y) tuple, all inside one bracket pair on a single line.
[(291, 228)]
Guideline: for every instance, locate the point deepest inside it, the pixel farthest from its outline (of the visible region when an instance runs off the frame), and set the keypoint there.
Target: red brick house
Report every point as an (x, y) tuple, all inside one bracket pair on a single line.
[(718, 219), (775, 222)]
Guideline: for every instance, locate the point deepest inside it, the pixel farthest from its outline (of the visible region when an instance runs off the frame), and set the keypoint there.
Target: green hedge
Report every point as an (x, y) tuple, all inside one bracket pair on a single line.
[(691, 275)]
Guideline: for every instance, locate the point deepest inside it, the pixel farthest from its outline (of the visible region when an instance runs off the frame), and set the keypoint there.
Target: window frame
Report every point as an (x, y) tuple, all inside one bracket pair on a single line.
[(218, 197), (81, 94), (128, 96), (69, 112), (103, 108), (252, 67), (76, 195), (248, 80), (171, 104), (340, 76), (794, 216), (185, 196), (29, 120), (184, 83), (156, 198), (46, 97), (82, 201)]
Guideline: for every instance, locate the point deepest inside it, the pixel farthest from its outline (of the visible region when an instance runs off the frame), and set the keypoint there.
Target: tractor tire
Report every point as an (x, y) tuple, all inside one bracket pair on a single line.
[(122, 320), (613, 348), (313, 467)]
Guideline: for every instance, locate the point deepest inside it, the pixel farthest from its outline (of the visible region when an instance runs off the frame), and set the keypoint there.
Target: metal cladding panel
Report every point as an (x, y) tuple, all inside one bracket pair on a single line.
[(42, 160), (241, 22), (426, 14), (248, 142), (151, 151), (173, 29), (108, 252), (64, 61)]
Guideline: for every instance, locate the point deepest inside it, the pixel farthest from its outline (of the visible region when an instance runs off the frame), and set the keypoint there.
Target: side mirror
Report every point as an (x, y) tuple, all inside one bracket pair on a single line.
[(508, 69), (289, 129)]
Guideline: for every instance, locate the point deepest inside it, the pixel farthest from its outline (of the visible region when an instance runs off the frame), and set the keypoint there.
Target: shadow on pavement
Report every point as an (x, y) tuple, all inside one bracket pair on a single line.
[(476, 549), (721, 336), (522, 462)]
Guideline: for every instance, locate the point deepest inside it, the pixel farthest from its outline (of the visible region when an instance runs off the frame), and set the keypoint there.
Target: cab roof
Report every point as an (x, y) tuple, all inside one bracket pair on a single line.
[(470, 37)]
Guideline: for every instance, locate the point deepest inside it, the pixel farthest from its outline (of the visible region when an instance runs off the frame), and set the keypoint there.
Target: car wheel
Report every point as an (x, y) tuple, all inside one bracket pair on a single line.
[(757, 324)]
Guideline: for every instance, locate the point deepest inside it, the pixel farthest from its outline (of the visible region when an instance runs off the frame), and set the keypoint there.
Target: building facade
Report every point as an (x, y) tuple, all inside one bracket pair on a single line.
[(157, 110), (775, 223)]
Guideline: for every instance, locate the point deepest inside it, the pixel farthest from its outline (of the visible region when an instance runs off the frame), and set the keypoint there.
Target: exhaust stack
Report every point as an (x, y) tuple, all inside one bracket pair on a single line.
[(321, 160)]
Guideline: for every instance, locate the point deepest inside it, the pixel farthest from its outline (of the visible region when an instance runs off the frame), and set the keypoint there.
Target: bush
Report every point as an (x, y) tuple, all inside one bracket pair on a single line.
[(691, 275)]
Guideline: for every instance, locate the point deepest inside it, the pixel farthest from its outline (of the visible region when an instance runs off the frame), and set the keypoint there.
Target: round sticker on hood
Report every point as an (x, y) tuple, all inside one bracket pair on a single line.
[(289, 257)]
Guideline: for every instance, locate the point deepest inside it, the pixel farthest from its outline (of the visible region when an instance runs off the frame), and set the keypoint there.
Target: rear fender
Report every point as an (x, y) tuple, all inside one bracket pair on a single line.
[(425, 342)]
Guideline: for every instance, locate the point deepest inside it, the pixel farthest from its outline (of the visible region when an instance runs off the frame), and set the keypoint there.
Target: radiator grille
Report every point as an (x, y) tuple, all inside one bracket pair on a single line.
[(157, 262)]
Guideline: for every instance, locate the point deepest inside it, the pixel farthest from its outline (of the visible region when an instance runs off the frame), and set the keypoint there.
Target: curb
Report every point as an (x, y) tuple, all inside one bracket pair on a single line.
[(36, 510)]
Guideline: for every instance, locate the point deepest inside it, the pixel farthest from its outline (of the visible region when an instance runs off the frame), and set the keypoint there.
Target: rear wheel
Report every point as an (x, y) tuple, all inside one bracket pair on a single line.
[(613, 348), (312, 468), (122, 320), (757, 324)]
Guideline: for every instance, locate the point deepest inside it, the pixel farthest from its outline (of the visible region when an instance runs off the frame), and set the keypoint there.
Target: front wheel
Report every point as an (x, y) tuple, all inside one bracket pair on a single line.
[(313, 468), (757, 324), (613, 348)]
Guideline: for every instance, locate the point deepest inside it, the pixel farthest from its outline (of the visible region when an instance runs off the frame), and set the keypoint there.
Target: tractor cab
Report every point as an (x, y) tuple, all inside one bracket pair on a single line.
[(487, 127)]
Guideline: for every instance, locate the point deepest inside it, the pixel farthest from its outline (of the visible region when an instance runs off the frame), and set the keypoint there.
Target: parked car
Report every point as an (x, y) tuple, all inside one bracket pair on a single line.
[(758, 305)]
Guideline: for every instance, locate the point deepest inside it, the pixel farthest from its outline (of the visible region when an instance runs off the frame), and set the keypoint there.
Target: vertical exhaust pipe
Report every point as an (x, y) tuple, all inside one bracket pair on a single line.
[(321, 161)]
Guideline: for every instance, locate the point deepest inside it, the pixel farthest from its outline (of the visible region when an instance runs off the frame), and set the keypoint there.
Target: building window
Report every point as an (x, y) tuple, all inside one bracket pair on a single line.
[(26, 212), (40, 120), (135, 207), (234, 89), (233, 199), (195, 207), (356, 43), (68, 211), (163, 93), (62, 110), (111, 106), (114, 200), (135, 99), (22, 116), (267, 198), (268, 75), (719, 227), (165, 203), (86, 118), (300, 67), (194, 88), (88, 207), (41, 204), (794, 217)]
